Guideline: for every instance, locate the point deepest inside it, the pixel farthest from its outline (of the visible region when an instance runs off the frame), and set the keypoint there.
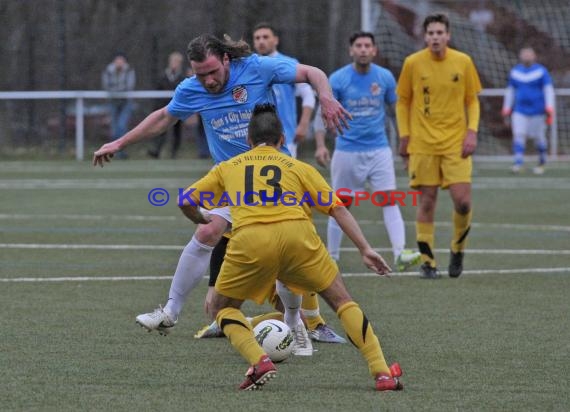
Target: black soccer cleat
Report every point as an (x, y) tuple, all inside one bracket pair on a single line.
[(455, 264), (428, 272)]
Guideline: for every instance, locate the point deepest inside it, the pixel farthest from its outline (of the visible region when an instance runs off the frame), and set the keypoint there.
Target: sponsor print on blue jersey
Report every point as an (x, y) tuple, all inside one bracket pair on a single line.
[(364, 96), (529, 83), (226, 115)]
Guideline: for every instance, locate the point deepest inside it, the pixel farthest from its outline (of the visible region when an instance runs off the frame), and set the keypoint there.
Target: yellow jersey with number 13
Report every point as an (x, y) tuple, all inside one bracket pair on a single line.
[(265, 186)]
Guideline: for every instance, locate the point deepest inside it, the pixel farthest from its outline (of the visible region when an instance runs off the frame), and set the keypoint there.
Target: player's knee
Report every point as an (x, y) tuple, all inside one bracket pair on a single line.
[(427, 207), (209, 234), (336, 295), (463, 207)]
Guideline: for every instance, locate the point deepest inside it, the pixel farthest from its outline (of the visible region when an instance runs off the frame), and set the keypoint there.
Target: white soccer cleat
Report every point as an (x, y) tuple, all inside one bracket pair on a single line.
[(302, 344), (324, 333), (516, 169), (158, 320), (538, 170), (407, 258), (210, 331)]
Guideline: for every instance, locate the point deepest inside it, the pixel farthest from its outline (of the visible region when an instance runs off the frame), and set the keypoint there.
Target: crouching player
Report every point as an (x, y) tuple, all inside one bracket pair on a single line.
[(273, 239)]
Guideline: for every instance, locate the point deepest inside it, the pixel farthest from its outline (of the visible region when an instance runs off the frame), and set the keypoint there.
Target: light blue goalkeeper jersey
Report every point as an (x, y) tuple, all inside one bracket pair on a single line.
[(364, 96), (226, 115)]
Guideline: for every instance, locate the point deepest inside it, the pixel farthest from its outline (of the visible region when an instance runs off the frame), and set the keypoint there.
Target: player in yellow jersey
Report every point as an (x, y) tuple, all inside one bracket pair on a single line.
[(438, 117), (273, 238)]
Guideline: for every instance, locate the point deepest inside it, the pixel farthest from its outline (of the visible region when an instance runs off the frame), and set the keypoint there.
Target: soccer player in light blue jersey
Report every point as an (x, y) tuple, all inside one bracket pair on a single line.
[(362, 153), (529, 100), (228, 82)]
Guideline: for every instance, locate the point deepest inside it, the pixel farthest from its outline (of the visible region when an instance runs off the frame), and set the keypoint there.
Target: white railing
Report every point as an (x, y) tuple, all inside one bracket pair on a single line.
[(81, 95)]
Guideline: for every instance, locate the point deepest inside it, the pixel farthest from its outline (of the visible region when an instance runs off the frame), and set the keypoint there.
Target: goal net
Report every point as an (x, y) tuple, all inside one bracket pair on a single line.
[(492, 33)]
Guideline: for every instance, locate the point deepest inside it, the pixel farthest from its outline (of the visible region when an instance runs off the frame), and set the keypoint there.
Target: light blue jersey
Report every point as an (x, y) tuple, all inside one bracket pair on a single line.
[(528, 84), (364, 96), (286, 103), (226, 115)]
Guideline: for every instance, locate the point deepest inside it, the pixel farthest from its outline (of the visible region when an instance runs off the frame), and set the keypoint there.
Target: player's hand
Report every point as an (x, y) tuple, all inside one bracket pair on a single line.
[(105, 153), (301, 133), (403, 151), (208, 307), (323, 156), (549, 115), (506, 113), (375, 262), (469, 144), (334, 115)]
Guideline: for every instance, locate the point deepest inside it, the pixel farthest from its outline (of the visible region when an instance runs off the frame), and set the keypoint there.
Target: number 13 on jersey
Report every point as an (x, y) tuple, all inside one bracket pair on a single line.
[(273, 175)]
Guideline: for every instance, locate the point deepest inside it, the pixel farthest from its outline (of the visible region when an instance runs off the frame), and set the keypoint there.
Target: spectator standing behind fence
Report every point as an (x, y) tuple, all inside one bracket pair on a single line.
[(169, 79), (119, 76), (530, 99)]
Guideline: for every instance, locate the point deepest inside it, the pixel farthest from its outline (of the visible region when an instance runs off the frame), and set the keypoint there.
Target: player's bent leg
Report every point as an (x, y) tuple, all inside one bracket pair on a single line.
[(240, 334), (319, 331), (461, 196), (191, 267), (292, 303), (361, 335)]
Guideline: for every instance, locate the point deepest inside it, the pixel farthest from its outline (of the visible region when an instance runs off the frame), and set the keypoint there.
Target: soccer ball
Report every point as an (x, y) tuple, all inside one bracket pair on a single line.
[(276, 339)]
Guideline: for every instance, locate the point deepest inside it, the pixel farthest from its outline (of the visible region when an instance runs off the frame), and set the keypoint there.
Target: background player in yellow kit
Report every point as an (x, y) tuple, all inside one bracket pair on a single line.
[(438, 117)]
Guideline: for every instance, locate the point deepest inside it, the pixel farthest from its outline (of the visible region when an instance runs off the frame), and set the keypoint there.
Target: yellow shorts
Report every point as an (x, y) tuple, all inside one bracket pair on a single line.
[(439, 170), (259, 254)]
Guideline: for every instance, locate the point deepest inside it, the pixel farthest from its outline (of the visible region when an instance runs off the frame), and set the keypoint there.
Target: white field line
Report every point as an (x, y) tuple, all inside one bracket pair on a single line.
[(87, 246), (21, 216), (510, 183), (348, 275), (343, 249)]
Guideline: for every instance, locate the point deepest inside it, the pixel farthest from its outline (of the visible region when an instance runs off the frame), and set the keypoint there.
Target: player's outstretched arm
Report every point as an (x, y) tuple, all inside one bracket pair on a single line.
[(334, 115), (350, 226), (154, 124)]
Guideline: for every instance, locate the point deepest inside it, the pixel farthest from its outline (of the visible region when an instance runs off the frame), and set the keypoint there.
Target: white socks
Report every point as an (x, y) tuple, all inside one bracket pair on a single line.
[(292, 304), (395, 226), (334, 238), (192, 266)]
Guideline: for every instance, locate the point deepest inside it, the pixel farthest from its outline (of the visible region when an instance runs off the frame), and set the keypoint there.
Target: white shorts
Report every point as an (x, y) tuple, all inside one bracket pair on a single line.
[(351, 170), (531, 126), (292, 147)]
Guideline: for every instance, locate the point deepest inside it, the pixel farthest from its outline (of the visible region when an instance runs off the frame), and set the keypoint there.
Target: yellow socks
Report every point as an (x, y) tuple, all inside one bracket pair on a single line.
[(461, 226), (310, 307), (424, 237), (239, 332), (361, 335)]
